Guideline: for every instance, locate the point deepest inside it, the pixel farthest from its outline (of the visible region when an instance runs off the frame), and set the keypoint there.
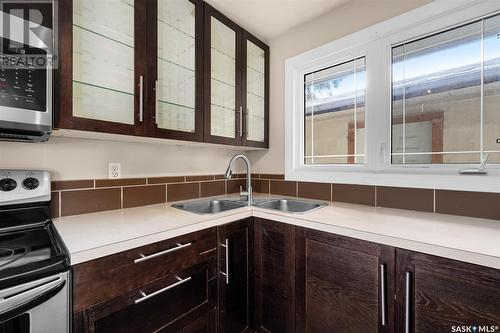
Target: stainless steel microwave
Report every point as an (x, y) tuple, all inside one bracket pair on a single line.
[(25, 84)]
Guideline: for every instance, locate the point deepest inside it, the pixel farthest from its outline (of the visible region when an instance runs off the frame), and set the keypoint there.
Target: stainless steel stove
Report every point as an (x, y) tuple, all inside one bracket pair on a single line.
[(34, 263)]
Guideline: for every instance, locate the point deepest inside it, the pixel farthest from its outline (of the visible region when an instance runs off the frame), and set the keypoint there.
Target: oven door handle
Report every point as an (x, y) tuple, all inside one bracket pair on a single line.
[(17, 299)]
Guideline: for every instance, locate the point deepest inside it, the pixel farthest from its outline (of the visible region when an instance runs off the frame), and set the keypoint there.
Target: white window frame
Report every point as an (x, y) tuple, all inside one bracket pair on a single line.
[(375, 43)]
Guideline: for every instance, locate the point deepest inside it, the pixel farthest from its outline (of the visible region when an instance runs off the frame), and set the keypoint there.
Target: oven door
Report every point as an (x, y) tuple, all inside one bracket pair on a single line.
[(36, 306)]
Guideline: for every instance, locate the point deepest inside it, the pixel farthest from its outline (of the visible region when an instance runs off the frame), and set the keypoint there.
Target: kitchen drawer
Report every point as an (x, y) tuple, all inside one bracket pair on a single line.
[(182, 296), (104, 278)]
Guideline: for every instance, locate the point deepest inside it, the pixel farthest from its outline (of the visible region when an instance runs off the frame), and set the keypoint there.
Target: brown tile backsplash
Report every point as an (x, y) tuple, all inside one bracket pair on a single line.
[(136, 196), (233, 185), (165, 180), (199, 178), (319, 191), (271, 176), (356, 194), (59, 185), (54, 204), (284, 187), (119, 182), (406, 198), (183, 191), (210, 189), (70, 197), (90, 201), (260, 185), (473, 204)]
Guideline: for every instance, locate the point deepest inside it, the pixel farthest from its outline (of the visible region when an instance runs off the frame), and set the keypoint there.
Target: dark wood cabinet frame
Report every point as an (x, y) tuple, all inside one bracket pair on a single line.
[(64, 117), (145, 64), (237, 139), (152, 70), (245, 142)]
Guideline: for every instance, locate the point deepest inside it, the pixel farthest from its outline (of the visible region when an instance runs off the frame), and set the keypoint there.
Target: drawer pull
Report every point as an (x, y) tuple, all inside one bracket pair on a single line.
[(383, 302), (225, 245), (407, 302), (147, 296), (157, 254)]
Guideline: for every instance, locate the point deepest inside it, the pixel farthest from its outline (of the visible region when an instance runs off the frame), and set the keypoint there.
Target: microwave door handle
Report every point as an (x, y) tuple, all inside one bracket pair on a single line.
[(17, 303)]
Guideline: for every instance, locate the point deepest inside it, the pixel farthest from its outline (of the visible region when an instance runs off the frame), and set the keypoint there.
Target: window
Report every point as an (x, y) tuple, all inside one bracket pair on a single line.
[(408, 102), (446, 96), (334, 113)]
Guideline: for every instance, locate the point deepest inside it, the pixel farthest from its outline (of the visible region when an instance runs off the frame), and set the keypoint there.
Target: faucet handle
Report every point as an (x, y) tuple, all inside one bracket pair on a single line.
[(243, 193)]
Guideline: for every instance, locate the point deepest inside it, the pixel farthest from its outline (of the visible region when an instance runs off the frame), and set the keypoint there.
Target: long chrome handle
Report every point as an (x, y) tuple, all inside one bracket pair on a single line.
[(141, 98), (15, 297), (148, 296), (157, 254), (225, 245), (241, 121), (407, 302), (383, 302), (156, 102)]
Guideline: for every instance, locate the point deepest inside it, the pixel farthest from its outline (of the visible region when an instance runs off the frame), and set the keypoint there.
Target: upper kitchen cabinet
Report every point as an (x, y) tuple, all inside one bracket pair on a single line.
[(236, 83), (223, 109), (173, 69), (176, 64), (255, 92), (102, 66)]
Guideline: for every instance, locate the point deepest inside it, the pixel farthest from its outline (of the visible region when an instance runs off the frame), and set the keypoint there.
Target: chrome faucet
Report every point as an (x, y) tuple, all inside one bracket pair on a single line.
[(229, 172)]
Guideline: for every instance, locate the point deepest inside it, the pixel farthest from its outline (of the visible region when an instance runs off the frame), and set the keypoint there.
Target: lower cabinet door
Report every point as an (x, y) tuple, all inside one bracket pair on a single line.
[(207, 323), (274, 264), (235, 280), (343, 285), (155, 306), (436, 294)]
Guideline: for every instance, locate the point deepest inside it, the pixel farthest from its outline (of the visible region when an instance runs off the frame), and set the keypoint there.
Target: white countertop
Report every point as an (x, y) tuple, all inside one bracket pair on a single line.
[(473, 240)]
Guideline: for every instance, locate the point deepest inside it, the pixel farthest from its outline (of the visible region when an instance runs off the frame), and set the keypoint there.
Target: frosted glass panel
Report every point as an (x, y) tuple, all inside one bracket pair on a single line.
[(223, 80), (255, 93), (103, 60), (175, 108)]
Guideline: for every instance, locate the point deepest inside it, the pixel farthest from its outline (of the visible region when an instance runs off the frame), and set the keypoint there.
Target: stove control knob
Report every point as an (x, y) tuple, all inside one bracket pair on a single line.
[(30, 183), (7, 184)]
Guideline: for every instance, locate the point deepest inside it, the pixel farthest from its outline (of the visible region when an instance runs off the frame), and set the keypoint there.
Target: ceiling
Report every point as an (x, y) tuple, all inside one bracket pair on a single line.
[(267, 19)]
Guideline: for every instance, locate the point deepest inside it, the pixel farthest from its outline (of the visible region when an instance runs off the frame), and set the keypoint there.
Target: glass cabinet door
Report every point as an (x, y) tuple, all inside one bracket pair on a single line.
[(177, 110), (222, 99), (104, 80), (255, 90)]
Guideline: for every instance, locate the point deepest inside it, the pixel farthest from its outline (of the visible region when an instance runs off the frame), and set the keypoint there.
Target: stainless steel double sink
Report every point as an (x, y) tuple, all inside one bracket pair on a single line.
[(212, 206)]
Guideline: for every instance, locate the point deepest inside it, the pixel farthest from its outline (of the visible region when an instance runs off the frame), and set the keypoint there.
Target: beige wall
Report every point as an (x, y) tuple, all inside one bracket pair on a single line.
[(349, 18), (68, 158)]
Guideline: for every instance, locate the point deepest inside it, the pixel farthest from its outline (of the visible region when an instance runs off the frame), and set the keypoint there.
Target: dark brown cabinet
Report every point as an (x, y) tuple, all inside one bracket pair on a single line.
[(168, 286), (435, 294), (274, 262), (235, 266), (342, 284), (176, 70)]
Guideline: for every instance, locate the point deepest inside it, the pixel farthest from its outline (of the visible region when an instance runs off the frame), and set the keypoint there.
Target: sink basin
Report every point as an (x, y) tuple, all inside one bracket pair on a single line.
[(291, 205), (209, 206)]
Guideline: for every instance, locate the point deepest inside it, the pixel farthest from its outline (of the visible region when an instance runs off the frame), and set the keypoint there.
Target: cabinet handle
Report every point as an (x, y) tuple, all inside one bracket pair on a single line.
[(407, 302), (157, 254), (241, 121), (141, 98), (153, 294), (156, 102), (225, 245), (382, 294)]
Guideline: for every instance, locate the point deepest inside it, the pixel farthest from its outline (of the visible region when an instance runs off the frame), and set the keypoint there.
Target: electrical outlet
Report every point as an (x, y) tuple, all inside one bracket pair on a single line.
[(114, 170)]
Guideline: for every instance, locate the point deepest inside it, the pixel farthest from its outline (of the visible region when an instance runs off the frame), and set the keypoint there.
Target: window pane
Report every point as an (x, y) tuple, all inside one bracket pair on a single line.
[(491, 88), (334, 114), (439, 113)]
